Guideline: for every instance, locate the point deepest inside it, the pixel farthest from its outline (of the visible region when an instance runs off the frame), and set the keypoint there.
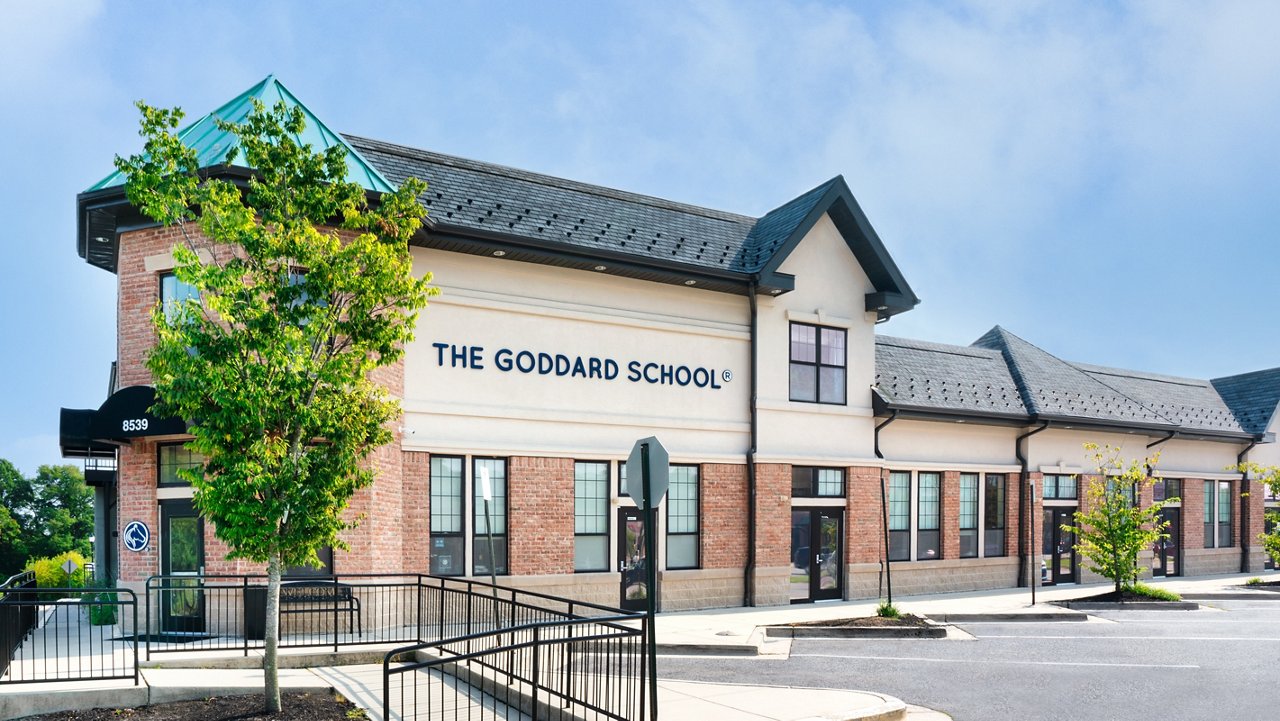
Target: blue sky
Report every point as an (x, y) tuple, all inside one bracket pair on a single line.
[(1099, 178)]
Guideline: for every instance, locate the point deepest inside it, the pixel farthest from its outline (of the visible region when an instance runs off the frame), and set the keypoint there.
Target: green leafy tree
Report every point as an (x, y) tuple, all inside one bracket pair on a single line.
[(1115, 527), (1268, 476), (63, 511), (304, 289), (17, 496)]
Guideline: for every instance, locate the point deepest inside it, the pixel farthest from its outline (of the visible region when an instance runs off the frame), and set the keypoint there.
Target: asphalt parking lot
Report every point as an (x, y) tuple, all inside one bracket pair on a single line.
[(1219, 662)]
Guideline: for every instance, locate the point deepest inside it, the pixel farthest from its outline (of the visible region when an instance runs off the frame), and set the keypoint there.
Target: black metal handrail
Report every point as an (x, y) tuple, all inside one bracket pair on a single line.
[(70, 639), (589, 666)]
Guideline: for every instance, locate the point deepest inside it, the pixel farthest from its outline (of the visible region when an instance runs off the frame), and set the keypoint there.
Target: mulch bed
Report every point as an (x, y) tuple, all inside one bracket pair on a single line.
[(1125, 596), (296, 707), (905, 621), (1264, 586)]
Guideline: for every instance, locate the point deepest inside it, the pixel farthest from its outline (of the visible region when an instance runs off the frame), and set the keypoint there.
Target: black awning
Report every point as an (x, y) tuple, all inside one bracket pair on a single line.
[(86, 433), (127, 414), (73, 435)]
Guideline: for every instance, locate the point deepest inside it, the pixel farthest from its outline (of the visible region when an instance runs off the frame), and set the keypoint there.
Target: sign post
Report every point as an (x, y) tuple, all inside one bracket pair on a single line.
[(648, 475), (486, 491)]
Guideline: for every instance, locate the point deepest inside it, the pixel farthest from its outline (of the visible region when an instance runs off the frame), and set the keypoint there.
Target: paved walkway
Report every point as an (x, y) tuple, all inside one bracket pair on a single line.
[(735, 631)]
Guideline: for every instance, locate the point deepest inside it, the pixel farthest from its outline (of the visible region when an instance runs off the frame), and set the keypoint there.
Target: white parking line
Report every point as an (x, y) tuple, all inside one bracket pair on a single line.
[(1012, 663)]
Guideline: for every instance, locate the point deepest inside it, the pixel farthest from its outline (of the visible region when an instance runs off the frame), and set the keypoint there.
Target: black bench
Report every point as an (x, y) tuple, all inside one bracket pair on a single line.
[(318, 596)]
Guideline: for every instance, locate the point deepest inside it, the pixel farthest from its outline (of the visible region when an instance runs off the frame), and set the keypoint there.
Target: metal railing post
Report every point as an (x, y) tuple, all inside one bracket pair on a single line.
[(134, 604)]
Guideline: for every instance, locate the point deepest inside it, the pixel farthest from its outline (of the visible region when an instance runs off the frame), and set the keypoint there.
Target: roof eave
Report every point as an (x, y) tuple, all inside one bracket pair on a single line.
[(452, 238)]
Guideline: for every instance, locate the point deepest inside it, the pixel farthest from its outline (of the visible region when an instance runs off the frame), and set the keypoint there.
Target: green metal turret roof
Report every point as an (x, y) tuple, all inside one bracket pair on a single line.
[(211, 144)]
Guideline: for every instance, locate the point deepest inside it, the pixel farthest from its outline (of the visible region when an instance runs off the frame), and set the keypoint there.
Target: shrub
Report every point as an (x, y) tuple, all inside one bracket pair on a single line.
[(1152, 592), (103, 612), (1255, 581), (887, 610), (49, 574)]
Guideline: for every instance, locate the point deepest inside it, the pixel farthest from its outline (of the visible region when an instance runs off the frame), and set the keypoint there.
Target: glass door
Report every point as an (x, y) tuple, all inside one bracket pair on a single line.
[(631, 560), (817, 554), (1058, 564), (181, 555), (1165, 554)]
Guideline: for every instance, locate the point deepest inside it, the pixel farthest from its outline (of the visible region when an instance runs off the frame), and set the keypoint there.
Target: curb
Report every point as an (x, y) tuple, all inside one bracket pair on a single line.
[(1129, 605), (998, 617), (1233, 596), (706, 649), (931, 631)]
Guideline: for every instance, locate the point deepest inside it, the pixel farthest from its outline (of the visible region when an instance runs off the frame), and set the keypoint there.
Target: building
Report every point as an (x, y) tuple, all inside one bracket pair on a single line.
[(576, 319)]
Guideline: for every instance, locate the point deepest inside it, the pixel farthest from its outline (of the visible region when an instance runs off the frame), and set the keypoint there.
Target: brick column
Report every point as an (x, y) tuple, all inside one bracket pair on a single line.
[(723, 525), (540, 515), (951, 514), (416, 499), (1253, 510), (137, 489), (864, 527), (773, 515), (1192, 514)]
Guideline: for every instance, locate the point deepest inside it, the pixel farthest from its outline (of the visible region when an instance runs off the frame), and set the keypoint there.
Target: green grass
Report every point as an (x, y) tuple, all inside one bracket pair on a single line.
[(888, 610), (1152, 592), (1255, 581)]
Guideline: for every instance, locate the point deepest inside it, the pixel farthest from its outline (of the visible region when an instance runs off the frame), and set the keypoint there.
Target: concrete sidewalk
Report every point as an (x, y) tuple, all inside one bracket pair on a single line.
[(721, 632)]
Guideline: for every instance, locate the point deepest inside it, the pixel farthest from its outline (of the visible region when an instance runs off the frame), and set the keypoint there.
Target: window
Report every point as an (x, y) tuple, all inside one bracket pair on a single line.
[(326, 566), (175, 457), (817, 364), (622, 480), (1217, 515), (1059, 487), (993, 516), (590, 516), (1129, 491), (682, 517), (490, 525), (928, 517), (817, 482), (899, 516), (968, 515), (446, 516), (173, 293), (1167, 489)]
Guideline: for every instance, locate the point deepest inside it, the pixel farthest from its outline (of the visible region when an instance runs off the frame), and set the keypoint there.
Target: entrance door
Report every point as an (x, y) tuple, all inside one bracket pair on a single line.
[(181, 554), (631, 560), (1058, 564), (1165, 554), (817, 554)]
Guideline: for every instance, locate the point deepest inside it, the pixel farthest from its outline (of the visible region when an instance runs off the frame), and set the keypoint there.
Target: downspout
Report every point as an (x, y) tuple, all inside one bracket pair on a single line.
[(1244, 502), (1155, 443), (1024, 504), (884, 511), (749, 573)]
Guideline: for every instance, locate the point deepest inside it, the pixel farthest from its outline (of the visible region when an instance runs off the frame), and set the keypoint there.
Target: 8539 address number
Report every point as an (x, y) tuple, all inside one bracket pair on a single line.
[(135, 424)]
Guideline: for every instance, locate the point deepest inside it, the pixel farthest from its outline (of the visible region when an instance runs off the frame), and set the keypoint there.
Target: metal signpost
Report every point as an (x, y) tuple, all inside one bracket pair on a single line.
[(648, 475), (486, 491)]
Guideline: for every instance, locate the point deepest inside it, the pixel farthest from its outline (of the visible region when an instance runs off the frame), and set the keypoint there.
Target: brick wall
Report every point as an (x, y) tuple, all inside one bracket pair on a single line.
[(723, 526), (137, 502), (950, 510), (415, 475), (864, 525), (540, 518)]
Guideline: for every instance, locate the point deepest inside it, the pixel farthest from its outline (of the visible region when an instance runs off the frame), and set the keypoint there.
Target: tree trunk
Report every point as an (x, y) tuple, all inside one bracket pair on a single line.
[(270, 659)]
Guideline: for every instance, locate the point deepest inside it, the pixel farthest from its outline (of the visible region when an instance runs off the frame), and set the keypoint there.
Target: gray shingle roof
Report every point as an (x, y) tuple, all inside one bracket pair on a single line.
[(1254, 397), (492, 198), (1003, 376), (946, 378), (1051, 386), (1191, 403)]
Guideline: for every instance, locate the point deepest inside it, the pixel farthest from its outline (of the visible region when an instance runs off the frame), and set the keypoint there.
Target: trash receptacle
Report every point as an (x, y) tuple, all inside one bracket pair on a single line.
[(255, 612)]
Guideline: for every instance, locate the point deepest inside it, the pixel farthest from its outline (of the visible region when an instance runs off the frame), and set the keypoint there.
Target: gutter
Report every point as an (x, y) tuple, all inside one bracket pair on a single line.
[(884, 510), (1024, 505), (1155, 443), (1244, 502), (749, 573)]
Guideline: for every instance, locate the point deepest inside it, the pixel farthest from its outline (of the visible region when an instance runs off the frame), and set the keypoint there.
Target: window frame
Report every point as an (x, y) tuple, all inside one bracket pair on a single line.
[(919, 531), (461, 533), (607, 533), (166, 304), (1057, 485), (818, 365), (815, 482), (1002, 500), (976, 530), (906, 503), (697, 517), (160, 465), (476, 512), (1215, 525)]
